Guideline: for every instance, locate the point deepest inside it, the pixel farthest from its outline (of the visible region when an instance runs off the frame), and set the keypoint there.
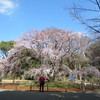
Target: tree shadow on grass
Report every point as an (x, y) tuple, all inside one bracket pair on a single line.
[(35, 95)]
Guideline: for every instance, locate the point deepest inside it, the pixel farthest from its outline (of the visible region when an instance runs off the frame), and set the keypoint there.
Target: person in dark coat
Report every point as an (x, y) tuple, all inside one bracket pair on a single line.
[(42, 82)]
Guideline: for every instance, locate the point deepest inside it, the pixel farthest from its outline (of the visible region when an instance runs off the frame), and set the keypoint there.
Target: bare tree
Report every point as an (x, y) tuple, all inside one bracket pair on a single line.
[(88, 13)]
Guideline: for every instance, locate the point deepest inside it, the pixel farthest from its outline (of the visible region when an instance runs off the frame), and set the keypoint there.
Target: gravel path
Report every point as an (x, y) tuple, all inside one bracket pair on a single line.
[(33, 95)]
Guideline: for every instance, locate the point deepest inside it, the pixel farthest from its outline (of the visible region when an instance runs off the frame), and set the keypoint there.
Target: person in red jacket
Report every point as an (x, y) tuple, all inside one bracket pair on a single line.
[(42, 82)]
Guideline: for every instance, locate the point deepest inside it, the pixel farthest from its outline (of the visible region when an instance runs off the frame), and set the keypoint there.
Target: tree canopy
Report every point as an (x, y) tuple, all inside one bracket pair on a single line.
[(93, 52), (52, 52), (5, 46)]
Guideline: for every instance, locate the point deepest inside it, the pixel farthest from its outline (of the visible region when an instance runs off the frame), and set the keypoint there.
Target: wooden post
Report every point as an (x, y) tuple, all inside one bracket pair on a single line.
[(16, 86), (47, 87), (66, 87), (92, 85), (3, 85), (30, 86)]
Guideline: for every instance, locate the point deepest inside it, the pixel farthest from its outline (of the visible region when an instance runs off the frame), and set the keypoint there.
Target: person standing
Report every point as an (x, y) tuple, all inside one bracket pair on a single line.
[(42, 82)]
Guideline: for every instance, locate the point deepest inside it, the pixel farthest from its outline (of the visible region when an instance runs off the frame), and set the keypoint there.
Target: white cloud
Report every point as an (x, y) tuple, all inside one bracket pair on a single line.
[(7, 6)]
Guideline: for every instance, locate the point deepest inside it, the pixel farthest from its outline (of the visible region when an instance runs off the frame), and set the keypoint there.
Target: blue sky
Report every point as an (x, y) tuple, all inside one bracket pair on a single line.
[(19, 16)]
